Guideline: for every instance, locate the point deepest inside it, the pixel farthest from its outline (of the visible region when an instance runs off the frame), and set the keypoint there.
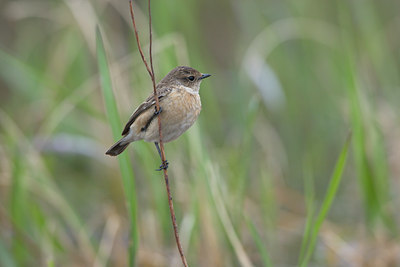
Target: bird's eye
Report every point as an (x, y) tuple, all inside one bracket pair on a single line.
[(191, 78)]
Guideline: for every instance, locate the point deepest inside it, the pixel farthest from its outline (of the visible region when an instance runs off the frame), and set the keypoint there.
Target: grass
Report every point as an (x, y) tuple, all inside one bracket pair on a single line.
[(124, 160), (266, 260), (252, 180), (311, 232)]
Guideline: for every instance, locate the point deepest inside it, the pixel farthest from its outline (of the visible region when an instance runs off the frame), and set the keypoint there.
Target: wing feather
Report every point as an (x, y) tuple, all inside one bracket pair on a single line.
[(148, 103)]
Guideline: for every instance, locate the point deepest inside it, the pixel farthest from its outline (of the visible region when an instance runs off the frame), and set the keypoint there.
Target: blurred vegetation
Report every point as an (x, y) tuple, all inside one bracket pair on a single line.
[(256, 182)]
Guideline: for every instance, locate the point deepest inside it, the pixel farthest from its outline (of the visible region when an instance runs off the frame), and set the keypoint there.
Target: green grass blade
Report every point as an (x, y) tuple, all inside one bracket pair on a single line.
[(329, 197), (370, 162), (123, 159), (259, 243), (19, 207), (310, 204)]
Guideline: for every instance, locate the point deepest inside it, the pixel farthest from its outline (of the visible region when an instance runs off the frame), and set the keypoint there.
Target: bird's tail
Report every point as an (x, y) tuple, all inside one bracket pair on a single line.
[(118, 148)]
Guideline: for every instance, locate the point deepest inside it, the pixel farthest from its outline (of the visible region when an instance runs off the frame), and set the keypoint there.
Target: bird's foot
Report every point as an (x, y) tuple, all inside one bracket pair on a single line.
[(163, 166), (157, 112)]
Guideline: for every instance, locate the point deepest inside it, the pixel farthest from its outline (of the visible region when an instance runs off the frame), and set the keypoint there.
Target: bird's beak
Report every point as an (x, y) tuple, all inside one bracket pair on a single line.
[(205, 75)]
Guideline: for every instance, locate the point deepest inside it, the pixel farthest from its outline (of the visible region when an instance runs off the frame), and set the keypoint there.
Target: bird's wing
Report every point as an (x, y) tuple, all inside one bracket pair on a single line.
[(148, 103)]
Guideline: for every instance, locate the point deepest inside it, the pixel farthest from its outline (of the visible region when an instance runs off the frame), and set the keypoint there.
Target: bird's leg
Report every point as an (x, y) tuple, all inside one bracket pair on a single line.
[(165, 163), (158, 149)]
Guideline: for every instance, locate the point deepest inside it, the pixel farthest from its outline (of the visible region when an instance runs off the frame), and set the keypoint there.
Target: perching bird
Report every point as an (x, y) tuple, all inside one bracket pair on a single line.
[(180, 105)]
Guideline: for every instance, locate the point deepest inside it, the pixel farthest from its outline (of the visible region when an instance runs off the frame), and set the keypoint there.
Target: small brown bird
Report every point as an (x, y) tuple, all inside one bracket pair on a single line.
[(180, 105)]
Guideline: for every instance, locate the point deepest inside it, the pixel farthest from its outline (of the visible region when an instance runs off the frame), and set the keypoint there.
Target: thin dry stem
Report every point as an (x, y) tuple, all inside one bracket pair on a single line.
[(138, 41), (150, 70)]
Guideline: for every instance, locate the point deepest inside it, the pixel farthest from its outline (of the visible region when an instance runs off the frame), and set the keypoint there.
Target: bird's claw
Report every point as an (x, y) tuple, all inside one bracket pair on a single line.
[(157, 112), (163, 166)]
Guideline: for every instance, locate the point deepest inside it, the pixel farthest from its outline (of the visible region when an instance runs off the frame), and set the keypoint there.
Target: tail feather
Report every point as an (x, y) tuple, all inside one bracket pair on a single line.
[(117, 148)]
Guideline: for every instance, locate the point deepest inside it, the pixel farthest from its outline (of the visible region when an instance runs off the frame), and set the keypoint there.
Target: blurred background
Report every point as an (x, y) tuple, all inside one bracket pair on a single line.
[(290, 81)]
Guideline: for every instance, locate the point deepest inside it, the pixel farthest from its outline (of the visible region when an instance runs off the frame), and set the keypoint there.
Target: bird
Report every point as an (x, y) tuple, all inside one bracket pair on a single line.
[(180, 106)]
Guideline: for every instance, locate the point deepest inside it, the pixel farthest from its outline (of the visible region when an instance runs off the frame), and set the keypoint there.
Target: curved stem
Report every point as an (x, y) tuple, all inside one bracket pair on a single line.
[(150, 70)]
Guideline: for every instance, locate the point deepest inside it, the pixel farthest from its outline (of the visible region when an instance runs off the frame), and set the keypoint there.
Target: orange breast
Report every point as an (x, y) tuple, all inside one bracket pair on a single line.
[(180, 106), (180, 110)]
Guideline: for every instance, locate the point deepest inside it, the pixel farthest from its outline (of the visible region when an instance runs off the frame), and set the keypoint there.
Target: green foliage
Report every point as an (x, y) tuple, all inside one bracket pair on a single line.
[(311, 232), (252, 180), (124, 161)]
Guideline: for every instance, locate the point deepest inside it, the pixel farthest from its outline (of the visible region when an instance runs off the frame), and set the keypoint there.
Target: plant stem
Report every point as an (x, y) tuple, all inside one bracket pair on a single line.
[(150, 70)]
